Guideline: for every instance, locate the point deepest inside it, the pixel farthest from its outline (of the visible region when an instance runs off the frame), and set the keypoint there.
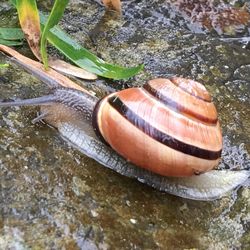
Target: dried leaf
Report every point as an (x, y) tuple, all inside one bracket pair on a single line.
[(230, 21), (30, 23), (50, 76), (69, 69), (213, 15), (113, 5)]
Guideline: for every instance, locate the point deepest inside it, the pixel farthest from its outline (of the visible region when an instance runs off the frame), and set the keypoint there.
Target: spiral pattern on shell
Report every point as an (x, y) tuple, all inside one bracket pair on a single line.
[(169, 126)]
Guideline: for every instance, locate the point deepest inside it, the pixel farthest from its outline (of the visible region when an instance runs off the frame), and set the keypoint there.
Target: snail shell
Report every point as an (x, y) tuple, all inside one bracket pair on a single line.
[(169, 126)]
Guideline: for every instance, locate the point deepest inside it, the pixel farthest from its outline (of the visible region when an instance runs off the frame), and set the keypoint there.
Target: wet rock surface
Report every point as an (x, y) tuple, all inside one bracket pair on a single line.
[(53, 197)]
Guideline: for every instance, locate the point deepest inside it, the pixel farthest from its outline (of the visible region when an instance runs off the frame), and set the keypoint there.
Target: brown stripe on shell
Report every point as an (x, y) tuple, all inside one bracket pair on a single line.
[(176, 125), (176, 99), (95, 124), (158, 135)]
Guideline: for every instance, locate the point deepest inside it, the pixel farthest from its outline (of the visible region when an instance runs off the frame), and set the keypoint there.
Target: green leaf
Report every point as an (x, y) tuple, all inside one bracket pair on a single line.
[(85, 59), (11, 34), (13, 2), (5, 65), (82, 57), (54, 17), (10, 43)]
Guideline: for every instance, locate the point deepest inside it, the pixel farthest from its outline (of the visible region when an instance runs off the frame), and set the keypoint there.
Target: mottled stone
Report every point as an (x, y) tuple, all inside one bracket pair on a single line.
[(53, 197)]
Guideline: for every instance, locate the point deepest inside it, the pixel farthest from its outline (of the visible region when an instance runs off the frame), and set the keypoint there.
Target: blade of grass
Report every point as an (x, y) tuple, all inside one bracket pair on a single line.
[(59, 65), (13, 2), (82, 57), (4, 65), (10, 42), (54, 17), (85, 59), (11, 34), (30, 23)]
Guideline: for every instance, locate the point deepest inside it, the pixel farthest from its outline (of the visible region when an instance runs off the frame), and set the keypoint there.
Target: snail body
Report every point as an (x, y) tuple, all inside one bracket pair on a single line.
[(208, 186), (74, 113)]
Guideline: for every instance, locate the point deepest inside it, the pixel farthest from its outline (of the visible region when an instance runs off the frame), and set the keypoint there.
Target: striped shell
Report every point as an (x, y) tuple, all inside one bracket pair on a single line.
[(169, 126)]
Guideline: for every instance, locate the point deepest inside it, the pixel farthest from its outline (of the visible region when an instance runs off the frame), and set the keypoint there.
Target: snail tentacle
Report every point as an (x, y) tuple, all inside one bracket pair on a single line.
[(79, 101), (42, 100), (40, 117)]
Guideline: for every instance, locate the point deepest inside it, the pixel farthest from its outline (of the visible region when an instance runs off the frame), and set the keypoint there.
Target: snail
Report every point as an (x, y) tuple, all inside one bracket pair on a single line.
[(163, 134), (169, 126)]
